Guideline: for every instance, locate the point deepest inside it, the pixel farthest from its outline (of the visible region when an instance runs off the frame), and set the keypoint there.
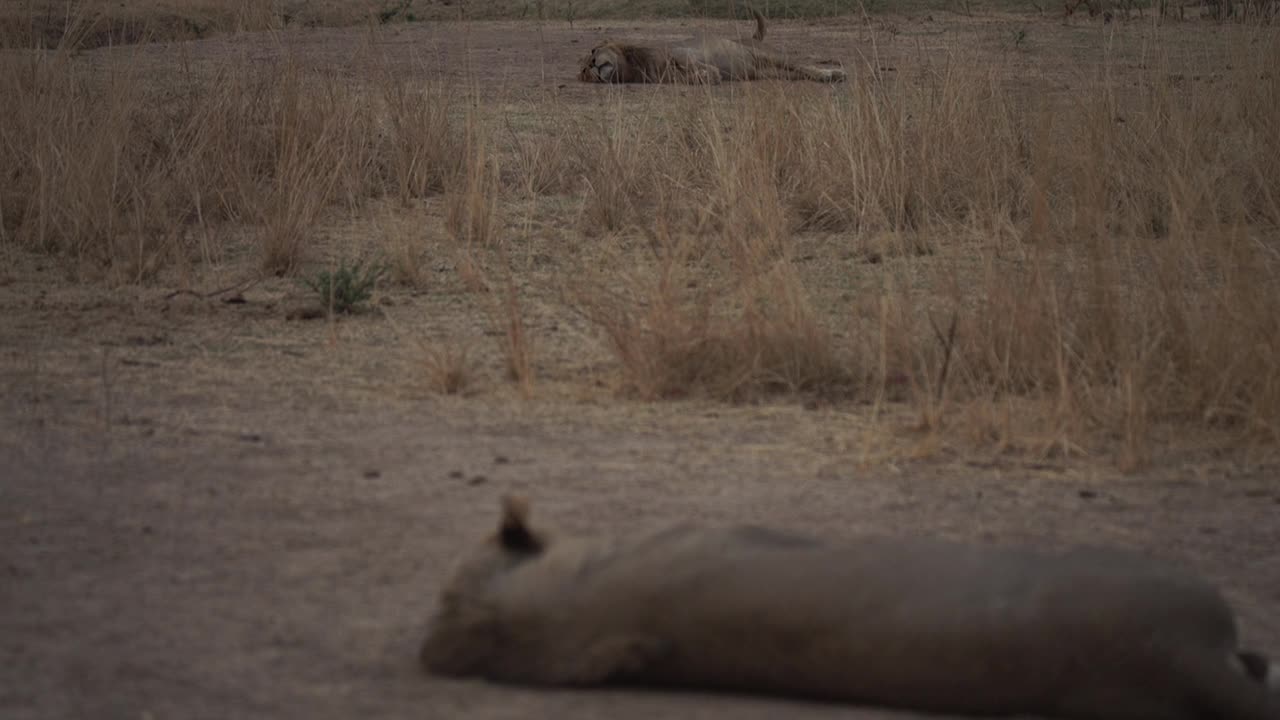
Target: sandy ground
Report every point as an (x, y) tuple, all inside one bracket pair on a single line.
[(210, 511)]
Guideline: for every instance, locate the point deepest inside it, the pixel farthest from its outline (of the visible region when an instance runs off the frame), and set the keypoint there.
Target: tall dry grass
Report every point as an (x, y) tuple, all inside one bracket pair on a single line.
[(1122, 252), (320, 151), (422, 145), (472, 195), (1107, 259), (92, 169), (117, 171), (682, 326)]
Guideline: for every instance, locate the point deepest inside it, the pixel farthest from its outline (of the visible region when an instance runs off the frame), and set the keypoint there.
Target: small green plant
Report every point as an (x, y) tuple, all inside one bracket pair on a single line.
[(195, 28), (391, 12), (346, 287)]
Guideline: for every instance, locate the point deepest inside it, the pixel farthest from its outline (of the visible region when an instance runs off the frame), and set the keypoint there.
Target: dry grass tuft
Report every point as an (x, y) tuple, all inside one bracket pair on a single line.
[(471, 201), (321, 152), (540, 164), (679, 330), (517, 344), (618, 168), (421, 144), (449, 369)]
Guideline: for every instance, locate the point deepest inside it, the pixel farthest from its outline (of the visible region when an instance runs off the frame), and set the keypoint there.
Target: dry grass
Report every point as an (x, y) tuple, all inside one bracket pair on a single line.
[(449, 369), (540, 164), (617, 168), (1124, 253), (93, 171), (96, 23), (319, 151), (472, 199), (1092, 272), (118, 174), (517, 344), (421, 143), (681, 328)]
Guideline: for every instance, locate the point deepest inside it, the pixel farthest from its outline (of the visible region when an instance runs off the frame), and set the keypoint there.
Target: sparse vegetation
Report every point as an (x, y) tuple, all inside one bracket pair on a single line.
[(345, 288), (448, 369), (397, 10), (472, 198), (1075, 274), (517, 345), (959, 296), (95, 23)]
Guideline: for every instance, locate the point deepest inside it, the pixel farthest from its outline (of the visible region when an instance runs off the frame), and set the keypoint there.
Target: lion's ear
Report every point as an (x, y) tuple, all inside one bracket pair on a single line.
[(514, 534)]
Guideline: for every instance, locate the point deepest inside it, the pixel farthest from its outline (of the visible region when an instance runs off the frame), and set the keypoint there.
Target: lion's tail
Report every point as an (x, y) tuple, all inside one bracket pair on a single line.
[(759, 23)]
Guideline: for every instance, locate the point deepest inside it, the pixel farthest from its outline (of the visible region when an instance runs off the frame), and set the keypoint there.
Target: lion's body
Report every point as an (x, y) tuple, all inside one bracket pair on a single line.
[(702, 60), (909, 624)]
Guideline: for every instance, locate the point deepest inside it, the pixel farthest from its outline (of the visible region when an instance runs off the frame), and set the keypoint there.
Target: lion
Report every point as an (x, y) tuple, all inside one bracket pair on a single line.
[(700, 61), (911, 624)]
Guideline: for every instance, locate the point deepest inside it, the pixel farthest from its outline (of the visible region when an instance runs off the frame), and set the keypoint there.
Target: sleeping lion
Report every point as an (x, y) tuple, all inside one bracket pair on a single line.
[(701, 60), (911, 624)]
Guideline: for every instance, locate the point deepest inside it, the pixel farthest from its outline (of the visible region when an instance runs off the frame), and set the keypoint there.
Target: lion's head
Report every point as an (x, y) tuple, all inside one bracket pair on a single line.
[(601, 64), (467, 631), (611, 62)]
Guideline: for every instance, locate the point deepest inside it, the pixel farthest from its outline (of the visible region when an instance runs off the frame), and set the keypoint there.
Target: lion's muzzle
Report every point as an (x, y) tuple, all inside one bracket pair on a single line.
[(602, 73)]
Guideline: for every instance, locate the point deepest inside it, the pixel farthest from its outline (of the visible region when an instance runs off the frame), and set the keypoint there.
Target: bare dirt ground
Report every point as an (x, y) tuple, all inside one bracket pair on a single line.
[(208, 510)]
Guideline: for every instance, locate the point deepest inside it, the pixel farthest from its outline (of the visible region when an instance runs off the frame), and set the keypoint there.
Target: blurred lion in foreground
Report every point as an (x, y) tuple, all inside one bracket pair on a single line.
[(912, 624), (701, 60)]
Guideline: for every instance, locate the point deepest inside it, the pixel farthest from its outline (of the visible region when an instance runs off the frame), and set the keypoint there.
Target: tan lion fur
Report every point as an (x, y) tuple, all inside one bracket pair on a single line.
[(905, 623), (702, 60)]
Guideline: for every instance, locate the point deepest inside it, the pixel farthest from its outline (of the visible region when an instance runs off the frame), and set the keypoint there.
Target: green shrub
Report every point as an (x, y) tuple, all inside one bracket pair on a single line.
[(345, 288)]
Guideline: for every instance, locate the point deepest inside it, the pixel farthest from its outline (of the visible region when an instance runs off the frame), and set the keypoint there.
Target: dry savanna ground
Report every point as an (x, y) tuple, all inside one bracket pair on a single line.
[(292, 292)]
